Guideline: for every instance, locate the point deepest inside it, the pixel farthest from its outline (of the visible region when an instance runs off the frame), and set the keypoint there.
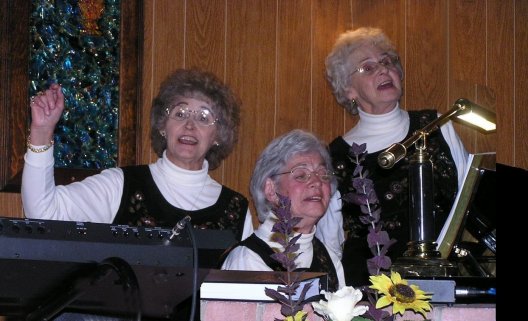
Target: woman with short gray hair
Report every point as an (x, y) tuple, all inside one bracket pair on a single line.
[(295, 165)]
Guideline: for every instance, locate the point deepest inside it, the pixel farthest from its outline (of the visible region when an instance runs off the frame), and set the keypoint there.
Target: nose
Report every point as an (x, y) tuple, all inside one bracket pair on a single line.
[(189, 123), (314, 180), (382, 68)]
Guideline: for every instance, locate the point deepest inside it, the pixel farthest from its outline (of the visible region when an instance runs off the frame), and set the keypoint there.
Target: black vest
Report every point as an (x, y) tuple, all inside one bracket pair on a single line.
[(321, 261), (143, 205), (391, 186)]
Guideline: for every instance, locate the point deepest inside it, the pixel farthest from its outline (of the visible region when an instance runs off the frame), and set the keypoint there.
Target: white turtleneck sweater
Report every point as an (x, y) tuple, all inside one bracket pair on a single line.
[(379, 132), (242, 258), (97, 198)]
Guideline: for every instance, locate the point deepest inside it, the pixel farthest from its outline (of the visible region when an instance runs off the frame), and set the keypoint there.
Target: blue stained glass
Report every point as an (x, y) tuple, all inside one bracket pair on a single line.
[(76, 43)]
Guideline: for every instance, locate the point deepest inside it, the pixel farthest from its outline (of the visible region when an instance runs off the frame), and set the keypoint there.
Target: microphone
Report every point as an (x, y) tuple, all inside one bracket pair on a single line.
[(392, 155), (180, 226)]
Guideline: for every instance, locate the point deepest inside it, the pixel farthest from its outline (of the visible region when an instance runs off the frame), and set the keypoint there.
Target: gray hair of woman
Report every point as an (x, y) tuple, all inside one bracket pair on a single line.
[(339, 66), (202, 85), (275, 156)]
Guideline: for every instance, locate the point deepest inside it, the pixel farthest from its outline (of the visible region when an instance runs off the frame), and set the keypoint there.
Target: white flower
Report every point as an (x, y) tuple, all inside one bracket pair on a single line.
[(341, 305)]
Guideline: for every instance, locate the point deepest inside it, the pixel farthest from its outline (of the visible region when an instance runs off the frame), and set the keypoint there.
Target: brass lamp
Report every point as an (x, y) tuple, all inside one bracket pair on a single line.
[(422, 257)]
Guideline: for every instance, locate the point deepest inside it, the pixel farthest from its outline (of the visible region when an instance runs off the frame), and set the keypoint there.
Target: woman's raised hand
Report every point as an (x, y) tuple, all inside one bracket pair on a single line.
[(46, 110)]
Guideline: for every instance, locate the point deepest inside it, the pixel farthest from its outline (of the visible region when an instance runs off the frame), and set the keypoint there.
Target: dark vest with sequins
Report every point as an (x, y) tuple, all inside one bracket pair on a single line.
[(321, 262), (142, 204), (391, 186)]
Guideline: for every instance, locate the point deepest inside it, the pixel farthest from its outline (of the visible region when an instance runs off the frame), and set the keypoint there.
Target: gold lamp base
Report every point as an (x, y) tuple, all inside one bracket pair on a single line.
[(423, 260)]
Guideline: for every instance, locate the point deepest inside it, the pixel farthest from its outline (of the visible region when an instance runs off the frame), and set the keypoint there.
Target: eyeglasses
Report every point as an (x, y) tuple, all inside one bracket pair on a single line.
[(203, 117), (303, 174), (370, 67)]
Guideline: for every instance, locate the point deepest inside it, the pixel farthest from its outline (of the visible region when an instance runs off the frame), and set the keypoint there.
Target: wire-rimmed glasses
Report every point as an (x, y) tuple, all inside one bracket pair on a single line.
[(203, 116), (370, 67), (303, 174)]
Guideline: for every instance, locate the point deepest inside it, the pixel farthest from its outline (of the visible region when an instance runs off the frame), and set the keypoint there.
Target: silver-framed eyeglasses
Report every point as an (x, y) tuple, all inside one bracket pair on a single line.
[(370, 67), (303, 174), (203, 116)]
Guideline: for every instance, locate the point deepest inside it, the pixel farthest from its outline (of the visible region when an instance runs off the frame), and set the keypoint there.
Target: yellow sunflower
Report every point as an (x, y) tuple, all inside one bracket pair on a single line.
[(299, 316), (396, 290)]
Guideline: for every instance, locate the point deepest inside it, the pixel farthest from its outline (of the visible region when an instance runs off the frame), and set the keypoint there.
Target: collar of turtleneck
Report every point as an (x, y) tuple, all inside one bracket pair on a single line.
[(379, 131), (183, 176)]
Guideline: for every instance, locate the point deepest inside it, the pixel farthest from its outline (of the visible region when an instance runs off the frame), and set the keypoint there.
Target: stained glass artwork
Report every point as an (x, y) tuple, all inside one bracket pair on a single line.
[(76, 43)]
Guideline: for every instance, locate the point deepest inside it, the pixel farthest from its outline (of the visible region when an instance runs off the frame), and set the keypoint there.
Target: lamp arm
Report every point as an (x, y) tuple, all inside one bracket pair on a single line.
[(388, 158)]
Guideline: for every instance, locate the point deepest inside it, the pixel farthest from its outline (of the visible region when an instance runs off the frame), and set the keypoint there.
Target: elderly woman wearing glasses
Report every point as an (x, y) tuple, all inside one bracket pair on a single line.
[(194, 126), (296, 165), (366, 76)]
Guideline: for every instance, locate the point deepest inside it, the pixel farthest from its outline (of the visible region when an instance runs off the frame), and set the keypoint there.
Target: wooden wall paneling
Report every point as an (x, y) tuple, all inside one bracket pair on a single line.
[(205, 35), (250, 71), (163, 52), (501, 71), (145, 152), (467, 54), (387, 15), (11, 205), (130, 42), (520, 113), (294, 64), (205, 43), (14, 107), (330, 18), (425, 72)]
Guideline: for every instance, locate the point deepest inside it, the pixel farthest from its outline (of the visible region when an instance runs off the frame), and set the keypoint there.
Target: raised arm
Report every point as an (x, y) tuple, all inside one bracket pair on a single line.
[(46, 110)]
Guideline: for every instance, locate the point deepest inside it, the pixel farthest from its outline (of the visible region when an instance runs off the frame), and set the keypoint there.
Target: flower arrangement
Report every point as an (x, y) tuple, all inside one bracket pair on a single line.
[(384, 291), (284, 229)]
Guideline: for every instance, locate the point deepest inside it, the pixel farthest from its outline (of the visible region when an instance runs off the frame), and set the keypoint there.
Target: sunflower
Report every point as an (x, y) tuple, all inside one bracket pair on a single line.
[(396, 290), (299, 316)]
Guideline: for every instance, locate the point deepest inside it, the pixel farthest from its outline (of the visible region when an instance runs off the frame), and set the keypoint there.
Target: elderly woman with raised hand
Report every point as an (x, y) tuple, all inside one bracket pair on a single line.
[(366, 76), (194, 126), (296, 165)]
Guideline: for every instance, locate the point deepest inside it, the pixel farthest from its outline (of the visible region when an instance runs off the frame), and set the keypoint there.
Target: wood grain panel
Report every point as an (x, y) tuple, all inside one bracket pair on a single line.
[(250, 62), (330, 18), (14, 107), (163, 52), (467, 40), (205, 43), (11, 205), (467, 56), (294, 109), (129, 82), (426, 56), (205, 35), (500, 69), (521, 85), (387, 15)]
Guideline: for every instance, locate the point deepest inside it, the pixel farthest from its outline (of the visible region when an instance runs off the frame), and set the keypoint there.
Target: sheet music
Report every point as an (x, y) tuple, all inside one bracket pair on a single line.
[(453, 208)]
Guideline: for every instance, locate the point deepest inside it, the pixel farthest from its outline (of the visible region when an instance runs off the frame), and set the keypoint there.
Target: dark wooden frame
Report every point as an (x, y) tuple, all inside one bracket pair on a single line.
[(14, 79)]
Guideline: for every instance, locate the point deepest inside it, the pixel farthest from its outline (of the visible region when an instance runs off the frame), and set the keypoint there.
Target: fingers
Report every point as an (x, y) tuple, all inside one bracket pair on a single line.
[(48, 100)]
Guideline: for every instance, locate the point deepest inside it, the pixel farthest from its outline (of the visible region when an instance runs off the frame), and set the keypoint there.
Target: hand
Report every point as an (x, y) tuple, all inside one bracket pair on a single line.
[(46, 110)]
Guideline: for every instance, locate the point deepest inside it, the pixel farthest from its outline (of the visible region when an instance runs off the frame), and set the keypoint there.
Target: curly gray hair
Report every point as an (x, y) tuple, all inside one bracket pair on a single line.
[(338, 66)]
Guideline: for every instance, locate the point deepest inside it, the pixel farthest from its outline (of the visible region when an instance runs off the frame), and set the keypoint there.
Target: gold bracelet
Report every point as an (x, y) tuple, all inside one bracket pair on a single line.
[(40, 149)]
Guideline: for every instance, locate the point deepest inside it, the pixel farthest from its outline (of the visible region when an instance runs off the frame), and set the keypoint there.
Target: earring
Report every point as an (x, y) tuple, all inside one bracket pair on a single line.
[(216, 144), (163, 133)]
